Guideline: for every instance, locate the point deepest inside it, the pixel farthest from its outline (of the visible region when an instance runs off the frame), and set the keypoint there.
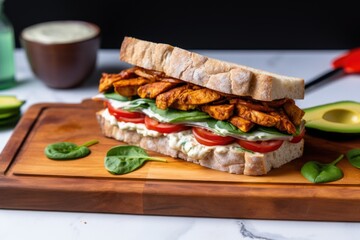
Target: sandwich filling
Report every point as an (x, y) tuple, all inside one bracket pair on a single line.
[(155, 104)]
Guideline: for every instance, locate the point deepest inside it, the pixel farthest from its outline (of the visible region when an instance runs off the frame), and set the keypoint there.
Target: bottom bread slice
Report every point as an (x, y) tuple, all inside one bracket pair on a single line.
[(228, 159)]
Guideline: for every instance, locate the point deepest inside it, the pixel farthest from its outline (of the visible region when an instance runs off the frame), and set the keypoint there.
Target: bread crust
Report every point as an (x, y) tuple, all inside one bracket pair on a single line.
[(236, 162), (211, 73)]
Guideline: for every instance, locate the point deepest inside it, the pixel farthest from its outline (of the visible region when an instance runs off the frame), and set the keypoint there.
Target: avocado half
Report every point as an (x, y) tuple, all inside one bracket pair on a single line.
[(338, 117)]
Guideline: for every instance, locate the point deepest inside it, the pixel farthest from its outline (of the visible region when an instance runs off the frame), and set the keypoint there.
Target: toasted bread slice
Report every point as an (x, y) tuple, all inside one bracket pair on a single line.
[(222, 76)]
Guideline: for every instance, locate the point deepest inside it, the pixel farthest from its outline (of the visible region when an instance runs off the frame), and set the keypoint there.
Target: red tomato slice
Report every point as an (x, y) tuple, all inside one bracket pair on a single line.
[(126, 116), (260, 146), (153, 124), (211, 136), (117, 112), (298, 138), (208, 138), (132, 120)]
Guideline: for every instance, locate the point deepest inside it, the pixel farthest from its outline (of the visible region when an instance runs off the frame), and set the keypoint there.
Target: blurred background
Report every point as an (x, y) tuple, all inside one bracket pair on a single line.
[(212, 26)]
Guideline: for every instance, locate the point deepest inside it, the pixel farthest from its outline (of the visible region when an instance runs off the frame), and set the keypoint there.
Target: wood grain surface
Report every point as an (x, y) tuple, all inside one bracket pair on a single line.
[(29, 180)]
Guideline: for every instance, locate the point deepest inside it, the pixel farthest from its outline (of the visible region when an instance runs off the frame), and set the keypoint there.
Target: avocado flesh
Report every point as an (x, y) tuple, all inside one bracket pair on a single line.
[(339, 117), (10, 104)]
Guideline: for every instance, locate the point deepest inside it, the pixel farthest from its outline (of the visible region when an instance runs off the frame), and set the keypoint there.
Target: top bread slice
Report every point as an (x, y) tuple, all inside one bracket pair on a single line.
[(222, 76)]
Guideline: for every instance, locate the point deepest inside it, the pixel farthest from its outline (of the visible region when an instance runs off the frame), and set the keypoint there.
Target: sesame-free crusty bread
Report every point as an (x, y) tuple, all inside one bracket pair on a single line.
[(232, 161), (211, 73)]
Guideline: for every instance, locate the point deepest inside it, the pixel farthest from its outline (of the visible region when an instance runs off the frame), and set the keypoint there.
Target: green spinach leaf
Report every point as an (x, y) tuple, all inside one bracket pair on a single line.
[(176, 116), (127, 158), (168, 115), (223, 126), (199, 118), (68, 150), (317, 172), (138, 104), (274, 131), (260, 133), (353, 156), (115, 96)]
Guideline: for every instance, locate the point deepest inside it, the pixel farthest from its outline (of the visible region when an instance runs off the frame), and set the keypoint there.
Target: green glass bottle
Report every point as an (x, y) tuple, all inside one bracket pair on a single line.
[(7, 47)]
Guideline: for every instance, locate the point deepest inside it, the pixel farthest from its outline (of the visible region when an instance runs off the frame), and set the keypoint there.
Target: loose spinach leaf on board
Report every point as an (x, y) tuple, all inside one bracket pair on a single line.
[(68, 150), (127, 158), (317, 172), (353, 156)]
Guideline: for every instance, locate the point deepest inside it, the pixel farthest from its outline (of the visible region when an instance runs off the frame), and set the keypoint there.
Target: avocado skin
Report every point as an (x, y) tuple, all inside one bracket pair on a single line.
[(333, 136), (337, 117)]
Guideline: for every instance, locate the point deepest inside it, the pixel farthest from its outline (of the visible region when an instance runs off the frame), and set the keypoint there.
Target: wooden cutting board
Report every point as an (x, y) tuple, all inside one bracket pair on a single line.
[(29, 180)]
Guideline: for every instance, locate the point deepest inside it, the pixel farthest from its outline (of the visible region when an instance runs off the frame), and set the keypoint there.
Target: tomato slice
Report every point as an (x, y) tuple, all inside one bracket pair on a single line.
[(211, 136), (118, 112), (155, 125), (260, 146), (132, 120), (208, 138), (126, 116), (298, 138)]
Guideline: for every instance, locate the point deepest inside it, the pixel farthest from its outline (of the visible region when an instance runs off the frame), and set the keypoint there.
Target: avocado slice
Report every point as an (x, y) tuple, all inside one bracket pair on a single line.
[(12, 119), (9, 114), (10, 104), (337, 117)]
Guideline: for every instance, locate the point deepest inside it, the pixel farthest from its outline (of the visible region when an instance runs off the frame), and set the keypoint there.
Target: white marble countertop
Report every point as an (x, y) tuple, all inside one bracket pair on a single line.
[(17, 224)]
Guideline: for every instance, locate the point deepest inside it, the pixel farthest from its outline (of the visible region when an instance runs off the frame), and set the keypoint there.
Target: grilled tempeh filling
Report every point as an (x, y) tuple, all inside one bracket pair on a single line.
[(243, 112)]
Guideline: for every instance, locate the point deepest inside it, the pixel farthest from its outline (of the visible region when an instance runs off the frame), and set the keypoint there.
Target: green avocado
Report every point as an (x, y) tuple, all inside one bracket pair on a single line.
[(337, 117), (10, 104)]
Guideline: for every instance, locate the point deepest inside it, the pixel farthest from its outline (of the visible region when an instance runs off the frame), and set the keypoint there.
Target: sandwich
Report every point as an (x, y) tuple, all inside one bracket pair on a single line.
[(220, 115)]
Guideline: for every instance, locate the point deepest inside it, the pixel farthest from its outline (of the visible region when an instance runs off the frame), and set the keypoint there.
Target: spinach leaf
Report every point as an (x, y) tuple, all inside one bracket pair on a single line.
[(116, 96), (168, 115), (226, 127), (353, 156), (68, 150), (275, 131), (259, 133), (320, 173), (199, 118), (176, 116), (138, 104), (127, 158)]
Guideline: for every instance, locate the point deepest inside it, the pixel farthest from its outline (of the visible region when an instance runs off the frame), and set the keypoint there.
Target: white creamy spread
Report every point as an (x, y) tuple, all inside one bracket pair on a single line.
[(59, 32), (117, 104), (183, 141)]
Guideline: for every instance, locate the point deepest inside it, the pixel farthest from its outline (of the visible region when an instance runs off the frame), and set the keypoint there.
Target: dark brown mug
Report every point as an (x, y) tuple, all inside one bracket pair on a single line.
[(64, 63)]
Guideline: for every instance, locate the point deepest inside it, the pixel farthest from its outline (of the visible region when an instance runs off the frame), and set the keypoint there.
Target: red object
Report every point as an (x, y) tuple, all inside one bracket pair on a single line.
[(126, 116), (349, 62), (208, 138), (153, 124), (260, 146), (298, 138), (132, 120), (118, 112)]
